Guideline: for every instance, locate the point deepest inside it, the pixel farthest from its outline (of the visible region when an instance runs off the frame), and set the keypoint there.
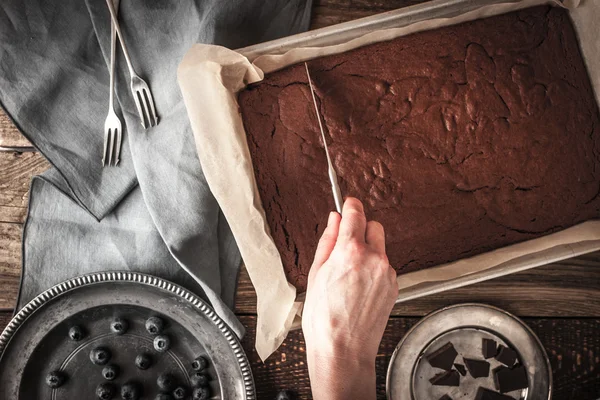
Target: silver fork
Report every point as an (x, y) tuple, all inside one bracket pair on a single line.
[(139, 88), (113, 129)]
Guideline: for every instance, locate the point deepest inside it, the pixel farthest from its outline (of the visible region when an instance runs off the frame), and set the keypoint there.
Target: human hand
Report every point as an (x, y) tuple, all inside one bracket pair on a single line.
[(351, 292)]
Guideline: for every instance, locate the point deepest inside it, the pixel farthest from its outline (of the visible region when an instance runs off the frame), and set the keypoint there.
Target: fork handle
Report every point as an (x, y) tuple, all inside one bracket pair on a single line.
[(113, 49), (113, 15)]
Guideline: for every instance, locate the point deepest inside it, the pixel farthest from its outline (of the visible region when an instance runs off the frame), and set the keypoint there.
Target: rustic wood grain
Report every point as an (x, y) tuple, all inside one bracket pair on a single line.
[(15, 177), (570, 288), (573, 347), (10, 264), (9, 134)]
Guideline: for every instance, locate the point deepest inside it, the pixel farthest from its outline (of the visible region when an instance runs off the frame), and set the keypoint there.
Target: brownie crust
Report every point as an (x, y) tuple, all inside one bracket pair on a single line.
[(458, 140)]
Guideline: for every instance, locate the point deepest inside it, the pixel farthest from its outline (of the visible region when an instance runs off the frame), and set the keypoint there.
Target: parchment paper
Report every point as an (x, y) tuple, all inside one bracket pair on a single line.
[(210, 78)]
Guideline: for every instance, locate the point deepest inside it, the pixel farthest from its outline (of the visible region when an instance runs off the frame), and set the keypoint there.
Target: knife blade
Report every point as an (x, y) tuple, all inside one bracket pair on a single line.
[(335, 187)]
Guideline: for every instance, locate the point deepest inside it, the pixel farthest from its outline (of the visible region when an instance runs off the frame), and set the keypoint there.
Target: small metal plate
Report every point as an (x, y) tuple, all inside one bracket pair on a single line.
[(465, 325), (36, 341)]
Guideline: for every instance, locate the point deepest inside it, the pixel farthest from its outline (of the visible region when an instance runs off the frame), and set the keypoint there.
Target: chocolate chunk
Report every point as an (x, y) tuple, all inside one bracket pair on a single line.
[(477, 368), (489, 348), (443, 357), (461, 369), (509, 379), (445, 397), (486, 394), (506, 356), (448, 378)]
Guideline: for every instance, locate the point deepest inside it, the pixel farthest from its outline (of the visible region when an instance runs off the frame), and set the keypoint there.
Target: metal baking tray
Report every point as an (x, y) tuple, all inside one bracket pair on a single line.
[(346, 31)]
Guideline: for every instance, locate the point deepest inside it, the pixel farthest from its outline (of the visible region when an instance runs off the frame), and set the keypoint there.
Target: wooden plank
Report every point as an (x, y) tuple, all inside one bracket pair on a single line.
[(330, 12), (573, 346), (569, 288), (17, 170), (9, 134), (10, 264)]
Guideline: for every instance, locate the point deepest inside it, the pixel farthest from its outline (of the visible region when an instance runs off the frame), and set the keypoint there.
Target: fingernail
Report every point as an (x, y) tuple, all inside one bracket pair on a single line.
[(330, 218)]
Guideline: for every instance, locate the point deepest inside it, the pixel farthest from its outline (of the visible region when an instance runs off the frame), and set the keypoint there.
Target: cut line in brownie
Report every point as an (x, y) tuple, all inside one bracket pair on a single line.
[(459, 140)]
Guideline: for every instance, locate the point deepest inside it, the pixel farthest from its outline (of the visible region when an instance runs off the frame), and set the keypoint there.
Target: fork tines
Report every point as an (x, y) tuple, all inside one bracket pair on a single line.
[(144, 102), (112, 144)]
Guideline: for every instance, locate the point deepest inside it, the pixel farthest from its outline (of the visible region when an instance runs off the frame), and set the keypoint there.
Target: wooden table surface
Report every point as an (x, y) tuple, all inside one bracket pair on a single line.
[(560, 302)]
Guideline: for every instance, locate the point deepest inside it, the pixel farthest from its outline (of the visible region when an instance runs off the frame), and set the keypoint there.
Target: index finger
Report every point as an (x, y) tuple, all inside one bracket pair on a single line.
[(354, 222)]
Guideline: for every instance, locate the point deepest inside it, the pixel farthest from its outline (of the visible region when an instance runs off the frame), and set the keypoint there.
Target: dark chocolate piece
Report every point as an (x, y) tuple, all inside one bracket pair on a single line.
[(445, 397), (486, 394), (461, 369), (509, 379), (443, 357), (506, 356), (489, 348), (477, 368), (448, 378)]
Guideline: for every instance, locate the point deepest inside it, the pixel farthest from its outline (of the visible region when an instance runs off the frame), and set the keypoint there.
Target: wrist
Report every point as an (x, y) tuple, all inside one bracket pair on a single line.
[(335, 376)]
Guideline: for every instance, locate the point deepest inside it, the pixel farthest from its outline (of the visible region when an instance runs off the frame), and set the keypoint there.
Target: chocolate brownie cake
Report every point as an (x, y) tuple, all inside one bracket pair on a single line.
[(458, 140)]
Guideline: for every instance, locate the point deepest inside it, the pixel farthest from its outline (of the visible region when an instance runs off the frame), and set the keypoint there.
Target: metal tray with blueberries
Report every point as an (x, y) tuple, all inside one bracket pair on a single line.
[(121, 336)]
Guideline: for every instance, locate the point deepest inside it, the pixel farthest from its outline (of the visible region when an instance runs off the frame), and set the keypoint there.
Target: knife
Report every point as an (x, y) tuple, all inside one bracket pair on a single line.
[(335, 187)]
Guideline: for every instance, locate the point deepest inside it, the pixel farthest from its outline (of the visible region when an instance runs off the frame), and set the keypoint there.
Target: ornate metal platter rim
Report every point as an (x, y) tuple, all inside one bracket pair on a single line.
[(144, 279)]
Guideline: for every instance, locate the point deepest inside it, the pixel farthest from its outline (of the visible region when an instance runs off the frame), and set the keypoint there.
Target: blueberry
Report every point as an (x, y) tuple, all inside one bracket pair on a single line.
[(76, 333), (100, 356), (155, 325), (163, 396), (130, 391), (110, 372), (162, 343), (143, 361), (200, 364), (201, 393), (105, 391), (285, 395), (119, 326), (56, 379), (166, 382), (199, 379), (180, 393)]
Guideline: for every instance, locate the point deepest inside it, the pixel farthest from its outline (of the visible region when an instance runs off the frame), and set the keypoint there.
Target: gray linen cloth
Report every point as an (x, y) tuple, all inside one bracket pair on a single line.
[(54, 85)]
